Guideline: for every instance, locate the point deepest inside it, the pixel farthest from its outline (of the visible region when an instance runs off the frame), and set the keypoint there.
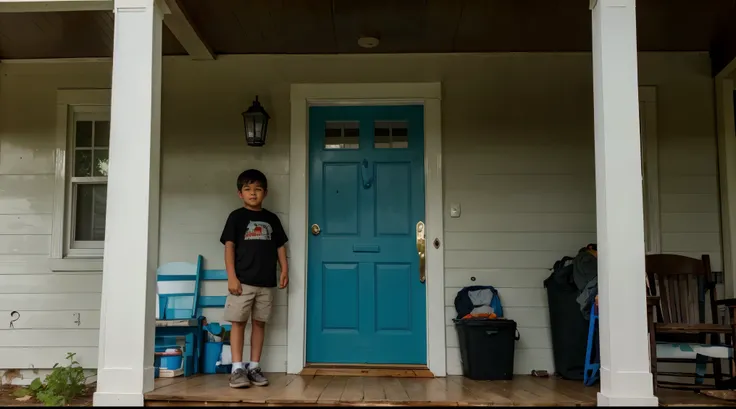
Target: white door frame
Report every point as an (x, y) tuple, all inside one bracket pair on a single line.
[(302, 97)]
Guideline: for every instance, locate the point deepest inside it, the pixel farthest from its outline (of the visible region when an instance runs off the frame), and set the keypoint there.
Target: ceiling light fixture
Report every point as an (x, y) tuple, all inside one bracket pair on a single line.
[(368, 41)]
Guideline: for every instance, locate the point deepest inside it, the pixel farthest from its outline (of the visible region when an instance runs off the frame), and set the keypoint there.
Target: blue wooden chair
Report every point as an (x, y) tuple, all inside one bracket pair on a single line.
[(176, 313)]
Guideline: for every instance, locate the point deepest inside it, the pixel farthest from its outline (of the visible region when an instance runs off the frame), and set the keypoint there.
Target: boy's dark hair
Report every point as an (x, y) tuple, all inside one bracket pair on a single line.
[(252, 176)]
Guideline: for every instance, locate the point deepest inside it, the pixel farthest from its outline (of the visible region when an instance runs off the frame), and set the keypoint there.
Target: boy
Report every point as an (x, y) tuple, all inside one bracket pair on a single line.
[(254, 240)]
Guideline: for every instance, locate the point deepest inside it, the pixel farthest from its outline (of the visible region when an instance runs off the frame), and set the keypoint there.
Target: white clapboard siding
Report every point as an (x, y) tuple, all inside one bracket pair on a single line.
[(690, 223), (688, 203), (50, 302), (695, 152), (25, 244), (25, 224), (539, 184), (31, 194), (49, 338), (476, 200), (48, 284), (503, 259), (503, 159), (688, 184), (557, 242), (690, 242), (16, 264), (67, 319), (485, 221), (499, 278)]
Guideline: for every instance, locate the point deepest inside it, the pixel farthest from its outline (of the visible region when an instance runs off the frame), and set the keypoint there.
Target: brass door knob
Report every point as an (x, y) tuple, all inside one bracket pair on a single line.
[(315, 229)]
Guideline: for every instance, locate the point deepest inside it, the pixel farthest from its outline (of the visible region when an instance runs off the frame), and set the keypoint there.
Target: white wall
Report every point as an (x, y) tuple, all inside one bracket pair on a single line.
[(47, 301), (518, 158)]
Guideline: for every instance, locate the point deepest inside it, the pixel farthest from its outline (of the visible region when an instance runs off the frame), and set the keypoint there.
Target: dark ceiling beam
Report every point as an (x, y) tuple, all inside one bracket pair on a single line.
[(181, 26)]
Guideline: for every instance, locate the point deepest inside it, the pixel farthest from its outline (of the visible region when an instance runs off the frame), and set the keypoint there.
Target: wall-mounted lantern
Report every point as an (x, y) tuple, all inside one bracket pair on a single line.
[(256, 124)]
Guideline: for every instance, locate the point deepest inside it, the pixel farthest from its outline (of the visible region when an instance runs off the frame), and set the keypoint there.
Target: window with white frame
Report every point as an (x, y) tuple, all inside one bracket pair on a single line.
[(88, 162), (83, 149)]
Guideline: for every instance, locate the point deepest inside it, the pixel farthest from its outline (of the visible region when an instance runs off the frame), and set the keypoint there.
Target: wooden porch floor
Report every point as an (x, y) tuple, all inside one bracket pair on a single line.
[(292, 390)]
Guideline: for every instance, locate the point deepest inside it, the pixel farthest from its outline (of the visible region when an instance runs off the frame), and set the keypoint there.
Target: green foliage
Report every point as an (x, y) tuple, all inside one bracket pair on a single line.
[(63, 384)]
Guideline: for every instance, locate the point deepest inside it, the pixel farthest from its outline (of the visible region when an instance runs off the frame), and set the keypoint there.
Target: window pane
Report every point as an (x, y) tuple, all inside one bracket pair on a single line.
[(393, 135), (84, 134), (342, 135), (101, 160), (90, 212), (82, 162), (382, 136), (102, 134)]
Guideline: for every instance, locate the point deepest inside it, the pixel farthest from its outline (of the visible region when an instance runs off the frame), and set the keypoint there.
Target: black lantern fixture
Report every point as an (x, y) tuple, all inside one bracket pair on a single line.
[(256, 124)]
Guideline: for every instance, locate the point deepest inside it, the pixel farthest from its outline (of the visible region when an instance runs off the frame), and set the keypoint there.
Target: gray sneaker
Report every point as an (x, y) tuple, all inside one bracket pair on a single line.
[(256, 377), (239, 379)]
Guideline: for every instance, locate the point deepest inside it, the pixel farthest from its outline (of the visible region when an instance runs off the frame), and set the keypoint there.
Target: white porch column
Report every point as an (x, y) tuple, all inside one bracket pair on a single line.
[(127, 323), (625, 373)]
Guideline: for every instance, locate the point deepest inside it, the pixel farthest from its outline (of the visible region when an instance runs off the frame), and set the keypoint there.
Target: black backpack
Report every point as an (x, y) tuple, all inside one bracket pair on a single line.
[(464, 306)]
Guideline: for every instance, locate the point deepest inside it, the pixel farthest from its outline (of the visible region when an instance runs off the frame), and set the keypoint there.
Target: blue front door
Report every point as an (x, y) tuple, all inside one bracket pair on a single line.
[(365, 302)]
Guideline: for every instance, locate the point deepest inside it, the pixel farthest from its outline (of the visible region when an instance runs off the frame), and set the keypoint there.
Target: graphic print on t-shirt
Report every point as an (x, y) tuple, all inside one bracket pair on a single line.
[(258, 231)]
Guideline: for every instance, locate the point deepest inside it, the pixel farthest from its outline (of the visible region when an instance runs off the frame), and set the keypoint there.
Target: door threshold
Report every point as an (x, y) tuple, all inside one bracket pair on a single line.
[(367, 370)]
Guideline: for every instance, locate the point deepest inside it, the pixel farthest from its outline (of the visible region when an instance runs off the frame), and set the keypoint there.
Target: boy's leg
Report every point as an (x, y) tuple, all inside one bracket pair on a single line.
[(256, 341), (261, 313), (237, 310), (237, 341)]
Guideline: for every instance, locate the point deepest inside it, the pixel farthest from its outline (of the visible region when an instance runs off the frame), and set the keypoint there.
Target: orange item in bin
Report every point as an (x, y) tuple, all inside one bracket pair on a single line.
[(484, 315)]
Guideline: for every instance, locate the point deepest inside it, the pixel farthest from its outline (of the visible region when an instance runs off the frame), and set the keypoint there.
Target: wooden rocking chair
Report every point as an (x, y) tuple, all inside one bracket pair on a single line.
[(676, 290)]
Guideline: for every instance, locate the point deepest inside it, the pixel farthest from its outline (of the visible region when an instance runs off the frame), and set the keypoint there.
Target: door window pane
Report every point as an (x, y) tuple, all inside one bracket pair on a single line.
[(391, 135), (342, 135)]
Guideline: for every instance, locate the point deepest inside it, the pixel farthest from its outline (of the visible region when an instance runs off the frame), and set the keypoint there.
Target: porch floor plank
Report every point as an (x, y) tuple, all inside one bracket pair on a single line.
[(353, 390), (334, 390), (294, 390)]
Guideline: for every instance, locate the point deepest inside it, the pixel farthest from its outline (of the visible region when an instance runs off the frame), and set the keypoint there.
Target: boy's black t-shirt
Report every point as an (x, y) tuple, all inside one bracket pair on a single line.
[(257, 236)]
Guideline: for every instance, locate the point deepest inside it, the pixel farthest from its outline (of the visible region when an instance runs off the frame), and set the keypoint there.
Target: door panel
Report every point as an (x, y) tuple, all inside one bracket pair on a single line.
[(365, 303)]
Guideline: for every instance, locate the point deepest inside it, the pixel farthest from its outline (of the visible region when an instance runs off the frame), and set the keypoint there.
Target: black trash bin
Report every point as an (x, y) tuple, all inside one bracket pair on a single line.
[(487, 348), (569, 329)]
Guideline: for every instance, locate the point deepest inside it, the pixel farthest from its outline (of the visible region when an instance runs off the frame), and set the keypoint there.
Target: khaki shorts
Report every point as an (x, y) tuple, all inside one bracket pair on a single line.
[(254, 301)]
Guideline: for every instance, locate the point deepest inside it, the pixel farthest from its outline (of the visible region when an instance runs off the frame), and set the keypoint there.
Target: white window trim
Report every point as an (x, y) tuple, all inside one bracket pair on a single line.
[(650, 156), (66, 103)]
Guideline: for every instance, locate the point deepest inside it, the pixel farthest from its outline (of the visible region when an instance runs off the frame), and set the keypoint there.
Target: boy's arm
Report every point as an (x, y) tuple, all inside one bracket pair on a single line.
[(284, 281), (233, 284), (281, 240), (228, 237), (230, 259)]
